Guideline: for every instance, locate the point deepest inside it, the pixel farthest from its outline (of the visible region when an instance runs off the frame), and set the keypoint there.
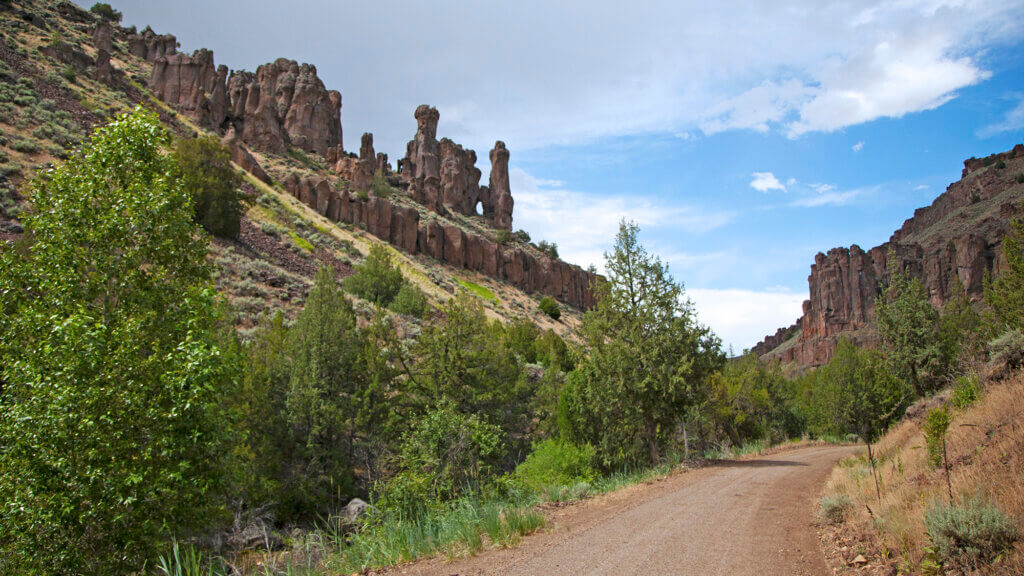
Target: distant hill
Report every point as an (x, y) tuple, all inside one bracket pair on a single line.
[(958, 237)]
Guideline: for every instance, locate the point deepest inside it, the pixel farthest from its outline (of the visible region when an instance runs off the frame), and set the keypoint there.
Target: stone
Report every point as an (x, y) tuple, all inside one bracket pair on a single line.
[(860, 559), (149, 45)]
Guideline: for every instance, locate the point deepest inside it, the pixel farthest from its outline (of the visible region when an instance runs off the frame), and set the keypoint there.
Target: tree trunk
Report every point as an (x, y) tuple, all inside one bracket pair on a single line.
[(686, 444), (874, 473), (945, 464)]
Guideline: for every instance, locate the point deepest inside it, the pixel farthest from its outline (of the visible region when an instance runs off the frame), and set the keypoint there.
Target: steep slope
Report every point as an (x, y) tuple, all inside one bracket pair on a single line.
[(63, 70), (949, 245)]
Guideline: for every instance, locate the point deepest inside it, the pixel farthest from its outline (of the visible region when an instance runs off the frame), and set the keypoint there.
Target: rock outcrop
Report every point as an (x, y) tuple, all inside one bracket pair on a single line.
[(949, 246), (284, 103), (422, 163), (499, 194), (240, 155), (194, 85), (102, 39), (149, 45), (402, 227)]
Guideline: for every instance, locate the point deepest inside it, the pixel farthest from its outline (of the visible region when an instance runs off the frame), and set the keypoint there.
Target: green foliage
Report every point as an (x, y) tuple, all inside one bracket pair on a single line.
[(935, 426), (834, 508), (521, 337), (481, 291), (503, 237), (966, 391), (105, 11), (207, 175), (909, 326), (111, 412), (751, 400), (556, 463), (553, 352), (301, 242), (69, 74), (548, 248), (377, 279), (1008, 348), (187, 561), (960, 329), (380, 186), (452, 449), (521, 236), (410, 301), (1005, 295), (1020, 178), (549, 306), (1000, 164), (971, 535), (649, 361)]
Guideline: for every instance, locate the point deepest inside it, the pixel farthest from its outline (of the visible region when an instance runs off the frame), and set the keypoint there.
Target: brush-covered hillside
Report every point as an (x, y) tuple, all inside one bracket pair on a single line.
[(308, 201)]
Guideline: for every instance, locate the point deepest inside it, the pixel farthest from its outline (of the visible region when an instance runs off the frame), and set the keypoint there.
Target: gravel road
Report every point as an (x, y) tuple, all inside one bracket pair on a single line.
[(729, 518)]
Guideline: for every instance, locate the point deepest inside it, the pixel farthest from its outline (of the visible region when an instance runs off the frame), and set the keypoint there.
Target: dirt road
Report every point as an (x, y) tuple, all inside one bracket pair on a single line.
[(730, 518)]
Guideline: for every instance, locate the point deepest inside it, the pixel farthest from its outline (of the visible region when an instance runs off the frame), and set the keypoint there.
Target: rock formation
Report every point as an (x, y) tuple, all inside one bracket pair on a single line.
[(102, 39), (192, 84), (460, 178), (949, 245), (403, 227), (240, 155), (366, 166), (422, 163), (149, 45), (499, 193)]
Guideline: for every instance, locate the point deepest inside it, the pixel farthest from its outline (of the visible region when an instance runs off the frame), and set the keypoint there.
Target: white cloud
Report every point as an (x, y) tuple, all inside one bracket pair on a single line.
[(584, 225), (741, 318), (920, 187), (858, 146), (829, 197), (766, 182), (599, 68), (1014, 120)]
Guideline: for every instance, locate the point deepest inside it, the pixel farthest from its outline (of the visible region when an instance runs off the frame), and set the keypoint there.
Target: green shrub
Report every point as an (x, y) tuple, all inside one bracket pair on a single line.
[(1020, 178), (521, 236), (935, 426), (548, 248), (362, 195), (69, 73), (301, 242), (25, 146), (966, 391), (503, 237), (970, 535), (1001, 164), (105, 11), (1007, 348), (380, 186), (270, 229), (556, 463), (206, 173), (410, 301), (833, 508), (549, 306), (377, 279)]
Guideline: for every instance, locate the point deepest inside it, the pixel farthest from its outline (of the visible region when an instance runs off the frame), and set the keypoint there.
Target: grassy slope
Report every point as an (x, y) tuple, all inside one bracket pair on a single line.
[(986, 451), (263, 271)]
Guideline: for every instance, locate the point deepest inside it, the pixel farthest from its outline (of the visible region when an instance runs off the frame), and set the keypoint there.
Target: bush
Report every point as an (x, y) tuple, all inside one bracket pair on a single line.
[(549, 248), (969, 535), (377, 279), (834, 508), (935, 426), (410, 301), (966, 391), (556, 463), (550, 307), (380, 186), (207, 175), (1001, 164), (503, 237), (1020, 178), (1008, 348), (69, 73), (521, 236), (105, 11)]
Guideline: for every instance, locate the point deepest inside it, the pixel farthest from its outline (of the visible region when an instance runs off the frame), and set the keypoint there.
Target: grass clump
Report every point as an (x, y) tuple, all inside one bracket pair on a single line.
[(301, 242), (186, 561), (969, 535), (481, 291), (834, 508)]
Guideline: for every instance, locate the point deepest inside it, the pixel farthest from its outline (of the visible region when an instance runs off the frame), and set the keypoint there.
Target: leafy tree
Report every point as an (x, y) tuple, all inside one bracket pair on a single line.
[(935, 427), (648, 362), (750, 399), (960, 328), (105, 11), (322, 405), (909, 326), (377, 279), (207, 175), (520, 337), (112, 426), (860, 395), (548, 248), (1005, 295), (549, 306)]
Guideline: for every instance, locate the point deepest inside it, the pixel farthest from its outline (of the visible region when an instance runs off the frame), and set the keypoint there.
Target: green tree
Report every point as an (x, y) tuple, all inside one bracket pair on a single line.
[(105, 11), (1005, 295), (909, 326), (112, 427), (549, 306), (960, 328), (751, 399), (322, 402), (207, 175), (649, 360), (377, 279), (861, 395)]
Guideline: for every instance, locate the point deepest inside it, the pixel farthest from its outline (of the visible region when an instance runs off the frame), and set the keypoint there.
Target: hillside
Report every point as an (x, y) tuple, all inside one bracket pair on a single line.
[(950, 245), (64, 70)]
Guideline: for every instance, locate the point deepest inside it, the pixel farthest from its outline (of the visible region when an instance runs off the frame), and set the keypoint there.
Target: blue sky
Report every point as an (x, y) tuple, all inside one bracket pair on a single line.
[(742, 137)]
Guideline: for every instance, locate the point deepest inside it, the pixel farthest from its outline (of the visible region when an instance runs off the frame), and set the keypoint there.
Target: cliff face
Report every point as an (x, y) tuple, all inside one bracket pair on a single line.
[(958, 237)]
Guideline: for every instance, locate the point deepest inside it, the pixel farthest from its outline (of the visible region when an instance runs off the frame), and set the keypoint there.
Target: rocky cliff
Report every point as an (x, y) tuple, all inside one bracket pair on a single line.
[(949, 245)]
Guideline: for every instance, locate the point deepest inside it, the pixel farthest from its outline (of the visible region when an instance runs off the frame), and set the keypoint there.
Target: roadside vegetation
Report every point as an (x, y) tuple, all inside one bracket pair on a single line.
[(142, 432)]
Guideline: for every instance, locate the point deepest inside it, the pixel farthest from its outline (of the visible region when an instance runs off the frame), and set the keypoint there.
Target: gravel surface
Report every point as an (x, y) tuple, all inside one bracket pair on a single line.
[(732, 518)]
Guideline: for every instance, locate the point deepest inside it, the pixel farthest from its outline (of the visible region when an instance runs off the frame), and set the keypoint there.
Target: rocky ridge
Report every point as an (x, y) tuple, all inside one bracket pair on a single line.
[(950, 245)]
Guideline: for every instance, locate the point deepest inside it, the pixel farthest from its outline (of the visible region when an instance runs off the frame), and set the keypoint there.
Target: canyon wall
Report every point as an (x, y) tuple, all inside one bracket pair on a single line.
[(949, 246)]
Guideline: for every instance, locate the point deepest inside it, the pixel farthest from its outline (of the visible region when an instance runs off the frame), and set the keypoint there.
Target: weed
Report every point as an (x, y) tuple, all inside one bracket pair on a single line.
[(186, 561), (834, 508)]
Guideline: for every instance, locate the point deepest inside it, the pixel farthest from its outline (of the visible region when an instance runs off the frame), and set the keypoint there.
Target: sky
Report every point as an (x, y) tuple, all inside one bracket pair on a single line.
[(742, 137)]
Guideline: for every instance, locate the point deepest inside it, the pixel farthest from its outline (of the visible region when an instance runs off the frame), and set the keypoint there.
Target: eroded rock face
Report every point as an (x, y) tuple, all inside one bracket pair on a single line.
[(362, 176), (422, 163), (460, 178), (240, 155), (499, 191), (192, 84), (949, 246), (149, 45), (402, 227), (102, 36)]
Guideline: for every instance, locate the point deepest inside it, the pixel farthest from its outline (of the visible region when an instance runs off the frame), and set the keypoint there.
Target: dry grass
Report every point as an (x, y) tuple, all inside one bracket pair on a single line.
[(986, 454)]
